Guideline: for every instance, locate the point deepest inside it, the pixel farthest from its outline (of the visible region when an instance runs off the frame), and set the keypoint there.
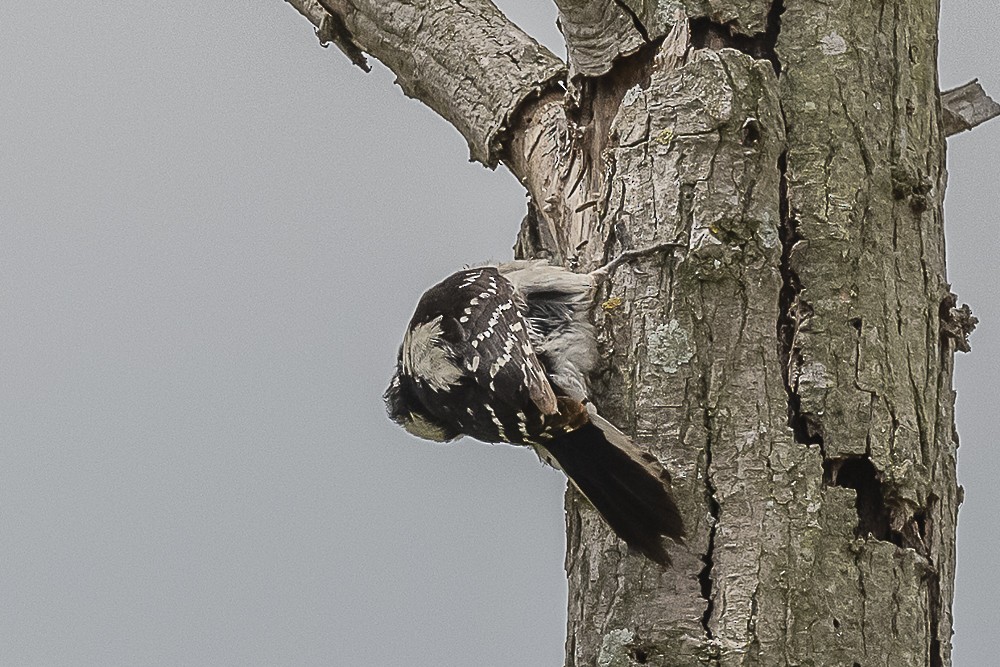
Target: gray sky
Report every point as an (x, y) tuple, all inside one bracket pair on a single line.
[(212, 232)]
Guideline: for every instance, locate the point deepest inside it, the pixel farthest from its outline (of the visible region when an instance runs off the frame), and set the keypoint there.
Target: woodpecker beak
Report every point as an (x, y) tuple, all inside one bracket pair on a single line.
[(427, 430)]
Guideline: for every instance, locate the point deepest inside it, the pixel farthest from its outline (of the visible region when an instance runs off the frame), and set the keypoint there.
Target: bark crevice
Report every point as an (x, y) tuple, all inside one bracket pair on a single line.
[(709, 34), (714, 510), (934, 604), (333, 30), (792, 313)]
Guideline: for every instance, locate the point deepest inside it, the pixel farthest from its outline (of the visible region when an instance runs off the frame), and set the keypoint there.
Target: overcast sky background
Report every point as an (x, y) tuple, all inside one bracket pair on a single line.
[(212, 233)]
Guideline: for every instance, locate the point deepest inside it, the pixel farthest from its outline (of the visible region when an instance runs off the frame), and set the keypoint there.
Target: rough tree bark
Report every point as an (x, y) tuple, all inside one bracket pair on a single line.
[(790, 359)]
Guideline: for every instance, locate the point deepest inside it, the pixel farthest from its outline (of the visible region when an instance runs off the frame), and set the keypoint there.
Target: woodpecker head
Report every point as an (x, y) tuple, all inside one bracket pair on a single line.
[(404, 408)]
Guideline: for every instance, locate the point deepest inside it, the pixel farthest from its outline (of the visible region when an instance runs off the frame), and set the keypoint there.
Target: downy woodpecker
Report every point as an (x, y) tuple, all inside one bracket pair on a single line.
[(503, 354)]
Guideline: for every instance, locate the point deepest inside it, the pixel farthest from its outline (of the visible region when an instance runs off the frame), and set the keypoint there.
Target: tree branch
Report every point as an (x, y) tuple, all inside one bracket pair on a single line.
[(464, 59), (597, 32), (966, 107)]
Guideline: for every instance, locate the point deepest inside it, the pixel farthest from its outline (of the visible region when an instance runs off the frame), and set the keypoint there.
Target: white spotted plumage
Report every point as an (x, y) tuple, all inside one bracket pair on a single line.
[(496, 421)]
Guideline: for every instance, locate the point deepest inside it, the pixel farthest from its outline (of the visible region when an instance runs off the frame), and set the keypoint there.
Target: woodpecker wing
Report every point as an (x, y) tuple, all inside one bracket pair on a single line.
[(500, 355)]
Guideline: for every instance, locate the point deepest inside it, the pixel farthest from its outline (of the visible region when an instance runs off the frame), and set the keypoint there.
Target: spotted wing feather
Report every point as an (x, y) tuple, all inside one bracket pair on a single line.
[(502, 353)]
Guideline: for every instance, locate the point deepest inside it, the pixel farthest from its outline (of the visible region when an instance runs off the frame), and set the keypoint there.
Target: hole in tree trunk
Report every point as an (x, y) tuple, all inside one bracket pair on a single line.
[(860, 474), (640, 656)]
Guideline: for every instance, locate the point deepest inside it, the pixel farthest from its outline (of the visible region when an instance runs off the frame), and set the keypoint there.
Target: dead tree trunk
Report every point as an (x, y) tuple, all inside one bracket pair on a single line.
[(790, 360)]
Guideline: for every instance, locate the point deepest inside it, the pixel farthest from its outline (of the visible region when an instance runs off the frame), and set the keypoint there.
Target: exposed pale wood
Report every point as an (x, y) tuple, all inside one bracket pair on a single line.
[(966, 107)]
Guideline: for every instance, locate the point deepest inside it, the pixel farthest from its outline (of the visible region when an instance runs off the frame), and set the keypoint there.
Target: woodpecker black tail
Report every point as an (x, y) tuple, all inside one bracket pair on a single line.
[(625, 484)]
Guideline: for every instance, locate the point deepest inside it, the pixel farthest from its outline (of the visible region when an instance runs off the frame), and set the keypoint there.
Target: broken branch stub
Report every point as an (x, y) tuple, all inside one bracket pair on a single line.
[(965, 107)]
